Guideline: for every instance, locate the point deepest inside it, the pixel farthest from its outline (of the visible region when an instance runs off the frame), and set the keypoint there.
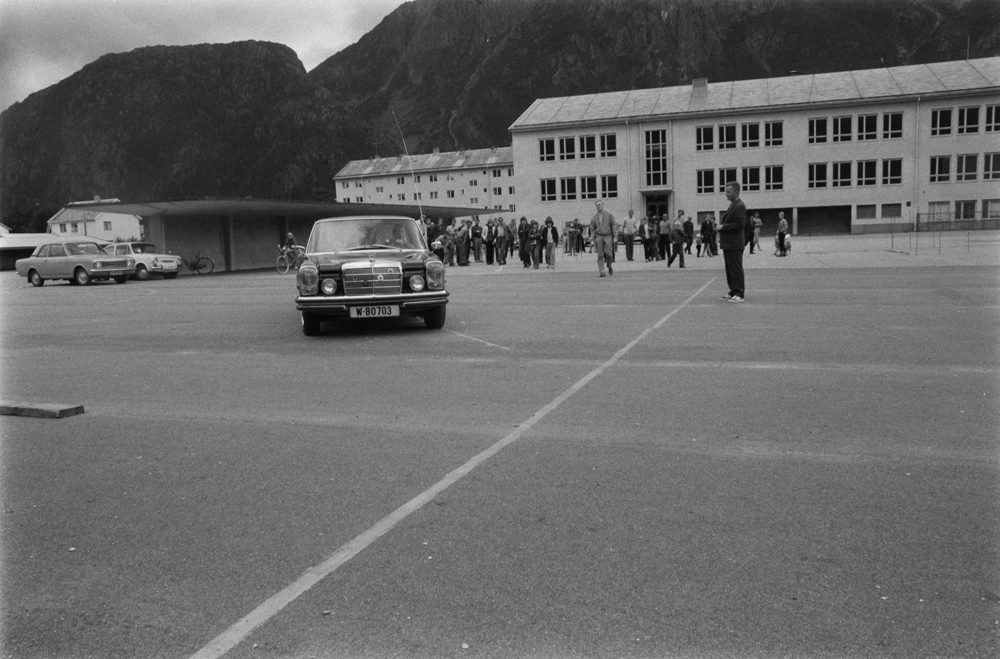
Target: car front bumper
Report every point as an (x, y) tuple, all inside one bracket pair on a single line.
[(410, 304)]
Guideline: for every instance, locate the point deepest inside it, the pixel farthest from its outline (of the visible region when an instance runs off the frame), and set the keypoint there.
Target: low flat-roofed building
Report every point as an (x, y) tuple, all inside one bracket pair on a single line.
[(853, 151), (479, 178)]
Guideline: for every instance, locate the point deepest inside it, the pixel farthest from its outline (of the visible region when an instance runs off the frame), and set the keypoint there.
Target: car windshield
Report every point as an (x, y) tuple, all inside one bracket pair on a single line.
[(75, 249), (144, 248), (365, 233)]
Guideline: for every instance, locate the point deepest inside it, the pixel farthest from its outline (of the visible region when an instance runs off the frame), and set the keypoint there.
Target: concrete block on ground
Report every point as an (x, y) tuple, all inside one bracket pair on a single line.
[(41, 410)]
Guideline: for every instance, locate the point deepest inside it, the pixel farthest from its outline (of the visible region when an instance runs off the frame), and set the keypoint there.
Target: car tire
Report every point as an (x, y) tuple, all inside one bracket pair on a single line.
[(35, 279), (310, 324), (141, 273), (81, 277), (121, 280), (170, 275), (434, 318)]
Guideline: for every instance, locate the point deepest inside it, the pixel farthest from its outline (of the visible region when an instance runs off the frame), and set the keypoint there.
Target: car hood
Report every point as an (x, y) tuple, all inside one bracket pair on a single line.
[(330, 260)]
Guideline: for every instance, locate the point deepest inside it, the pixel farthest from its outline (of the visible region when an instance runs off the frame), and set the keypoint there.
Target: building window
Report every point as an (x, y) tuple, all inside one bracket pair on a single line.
[(510, 190), (402, 196), (991, 209), (62, 228), (940, 169), (867, 127), (774, 133), (609, 145), (400, 180), (656, 158), (449, 177), (567, 148), (434, 194), (510, 171), (841, 129), (345, 184), (774, 177), (74, 228), (892, 125), (588, 187), (548, 189), (703, 138), (866, 173), (546, 149), (892, 211), (965, 210), (379, 189), (993, 118), (496, 173), (751, 179), (609, 186), (817, 175), (418, 195), (588, 146), (417, 178), (706, 181), (966, 167), (941, 122), (107, 226), (842, 174), (991, 167), (450, 194), (866, 211), (727, 137), (726, 176), (968, 121), (473, 200), (567, 189), (750, 136), (497, 192), (892, 171), (939, 210), (432, 178), (473, 183), (817, 131)]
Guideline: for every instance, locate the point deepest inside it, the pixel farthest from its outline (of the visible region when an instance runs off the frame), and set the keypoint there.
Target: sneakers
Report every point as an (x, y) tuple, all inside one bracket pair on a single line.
[(735, 298), (726, 297)]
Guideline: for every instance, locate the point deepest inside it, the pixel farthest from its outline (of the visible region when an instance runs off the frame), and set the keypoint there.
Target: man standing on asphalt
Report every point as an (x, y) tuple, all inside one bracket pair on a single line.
[(476, 233), (629, 229), (732, 242), (688, 232), (602, 228)]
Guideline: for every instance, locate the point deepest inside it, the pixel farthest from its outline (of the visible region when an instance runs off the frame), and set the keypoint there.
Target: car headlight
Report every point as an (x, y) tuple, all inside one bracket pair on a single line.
[(98, 264), (416, 283), (308, 278), (130, 263), (156, 263), (435, 275), (329, 286)]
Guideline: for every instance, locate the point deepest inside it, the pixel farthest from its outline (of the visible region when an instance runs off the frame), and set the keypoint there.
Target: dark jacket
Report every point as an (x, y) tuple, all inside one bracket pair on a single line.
[(555, 234), (733, 222)]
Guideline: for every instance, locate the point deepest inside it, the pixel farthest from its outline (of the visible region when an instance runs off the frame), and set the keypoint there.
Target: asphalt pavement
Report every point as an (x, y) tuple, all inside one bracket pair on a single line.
[(573, 467)]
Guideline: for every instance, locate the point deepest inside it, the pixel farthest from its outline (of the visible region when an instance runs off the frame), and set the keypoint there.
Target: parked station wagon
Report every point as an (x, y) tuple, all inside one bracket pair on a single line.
[(148, 261), (369, 267), (78, 261)]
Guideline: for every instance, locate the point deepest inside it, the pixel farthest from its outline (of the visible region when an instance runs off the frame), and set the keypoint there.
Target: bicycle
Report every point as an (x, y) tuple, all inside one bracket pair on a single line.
[(290, 258), (201, 265)]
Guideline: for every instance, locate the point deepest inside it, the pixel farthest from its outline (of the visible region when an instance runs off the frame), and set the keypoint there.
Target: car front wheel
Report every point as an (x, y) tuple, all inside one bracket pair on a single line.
[(81, 277), (141, 273), (122, 280), (36, 279), (434, 318), (310, 324)]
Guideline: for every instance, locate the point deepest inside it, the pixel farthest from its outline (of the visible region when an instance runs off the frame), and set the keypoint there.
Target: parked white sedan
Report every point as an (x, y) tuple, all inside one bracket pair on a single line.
[(148, 261)]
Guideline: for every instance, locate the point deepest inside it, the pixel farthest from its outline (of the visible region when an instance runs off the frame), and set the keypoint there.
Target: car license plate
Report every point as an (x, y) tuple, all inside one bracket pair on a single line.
[(115, 273), (373, 311), (169, 265)]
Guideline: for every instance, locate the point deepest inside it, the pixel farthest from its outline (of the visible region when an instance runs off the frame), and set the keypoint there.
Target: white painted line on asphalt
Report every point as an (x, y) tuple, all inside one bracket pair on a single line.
[(472, 338), (228, 639)]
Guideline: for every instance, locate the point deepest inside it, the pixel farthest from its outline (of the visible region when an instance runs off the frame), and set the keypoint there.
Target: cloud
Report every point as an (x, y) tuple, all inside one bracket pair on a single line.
[(45, 41)]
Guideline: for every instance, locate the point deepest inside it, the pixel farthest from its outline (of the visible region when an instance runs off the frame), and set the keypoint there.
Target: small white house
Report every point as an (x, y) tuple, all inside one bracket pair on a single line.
[(75, 220)]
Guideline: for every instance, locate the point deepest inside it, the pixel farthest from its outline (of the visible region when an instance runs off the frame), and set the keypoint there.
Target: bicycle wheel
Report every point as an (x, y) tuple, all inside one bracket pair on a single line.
[(282, 265), (204, 265)]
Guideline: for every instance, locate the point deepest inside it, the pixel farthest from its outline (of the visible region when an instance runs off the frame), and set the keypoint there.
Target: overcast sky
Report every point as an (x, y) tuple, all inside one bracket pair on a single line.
[(44, 41)]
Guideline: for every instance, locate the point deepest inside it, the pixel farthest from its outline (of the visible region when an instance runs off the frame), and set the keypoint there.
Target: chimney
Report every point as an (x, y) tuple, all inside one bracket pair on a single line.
[(699, 86), (97, 198), (436, 151)]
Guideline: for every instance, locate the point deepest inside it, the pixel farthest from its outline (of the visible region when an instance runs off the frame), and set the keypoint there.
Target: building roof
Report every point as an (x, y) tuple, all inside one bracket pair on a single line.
[(429, 162), (892, 83), (33, 240)]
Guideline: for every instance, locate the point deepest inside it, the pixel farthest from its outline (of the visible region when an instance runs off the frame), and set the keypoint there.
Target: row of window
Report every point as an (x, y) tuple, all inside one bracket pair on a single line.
[(966, 167), (588, 147), (449, 194), (964, 210), (750, 136), (496, 172), (838, 174), (967, 120), (774, 179), (571, 189), (75, 227)]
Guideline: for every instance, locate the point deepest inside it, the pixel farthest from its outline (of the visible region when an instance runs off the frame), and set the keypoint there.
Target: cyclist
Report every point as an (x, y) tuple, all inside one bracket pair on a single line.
[(293, 252)]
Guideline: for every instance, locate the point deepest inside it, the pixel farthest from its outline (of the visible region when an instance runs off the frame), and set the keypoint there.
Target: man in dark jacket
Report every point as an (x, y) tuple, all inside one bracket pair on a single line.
[(732, 241)]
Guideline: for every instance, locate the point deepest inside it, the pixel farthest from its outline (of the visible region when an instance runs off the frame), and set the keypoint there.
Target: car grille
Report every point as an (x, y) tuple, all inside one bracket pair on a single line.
[(113, 264), (372, 279)]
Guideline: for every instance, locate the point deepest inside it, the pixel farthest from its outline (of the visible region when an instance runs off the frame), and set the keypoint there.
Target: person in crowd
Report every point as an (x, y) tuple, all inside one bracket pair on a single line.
[(644, 233), (782, 232), (500, 232), (476, 236), (489, 240), (568, 237), (462, 239), (535, 241), (677, 241), (663, 243), (733, 240), (602, 231), (757, 224), (511, 237), (524, 241), (707, 235), (697, 244), (688, 224), (550, 240), (448, 239), (629, 228)]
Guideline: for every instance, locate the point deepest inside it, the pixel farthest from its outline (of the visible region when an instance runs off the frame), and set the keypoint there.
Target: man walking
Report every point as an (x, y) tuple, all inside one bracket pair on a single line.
[(602, 229), (733, 241), (629, 229)]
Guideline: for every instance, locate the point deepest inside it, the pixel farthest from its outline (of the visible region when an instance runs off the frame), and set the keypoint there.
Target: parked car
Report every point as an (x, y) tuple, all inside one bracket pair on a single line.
[(369, 267), (148, 261), (78, 261)]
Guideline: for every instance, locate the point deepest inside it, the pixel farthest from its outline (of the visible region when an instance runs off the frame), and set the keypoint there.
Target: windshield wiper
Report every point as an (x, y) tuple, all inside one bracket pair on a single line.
[(364, 247)]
